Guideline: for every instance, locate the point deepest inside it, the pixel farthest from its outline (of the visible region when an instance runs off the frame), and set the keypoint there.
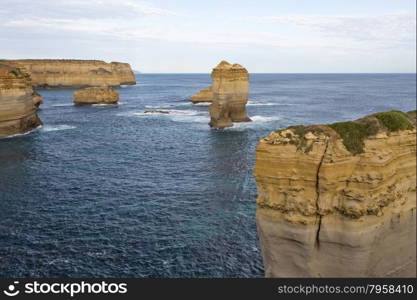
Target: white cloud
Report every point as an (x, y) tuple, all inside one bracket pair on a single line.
[(397, 27)]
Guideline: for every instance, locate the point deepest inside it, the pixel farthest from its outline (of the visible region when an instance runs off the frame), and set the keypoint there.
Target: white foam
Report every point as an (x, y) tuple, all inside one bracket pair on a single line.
[(187, 116), (104, 104), (258, 103), (62, 104), (21, 134), (48, 128), (203, 104), (257, 121)]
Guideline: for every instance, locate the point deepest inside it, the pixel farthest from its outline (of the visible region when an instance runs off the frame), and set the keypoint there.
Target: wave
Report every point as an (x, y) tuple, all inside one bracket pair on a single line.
[(258, 103), (22, 134), (48, 128), (62, 104), (104, 104), (257, 121)]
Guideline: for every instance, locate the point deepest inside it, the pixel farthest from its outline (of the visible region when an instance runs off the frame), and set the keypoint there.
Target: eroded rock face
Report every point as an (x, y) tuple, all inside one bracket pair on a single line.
[(75, 73), (230, 88), (205, 95), (328, 207), (96, 95), (17, 106)]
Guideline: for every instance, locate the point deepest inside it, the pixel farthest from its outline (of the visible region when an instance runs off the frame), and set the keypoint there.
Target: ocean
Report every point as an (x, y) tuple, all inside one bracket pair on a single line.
[(108, 191)]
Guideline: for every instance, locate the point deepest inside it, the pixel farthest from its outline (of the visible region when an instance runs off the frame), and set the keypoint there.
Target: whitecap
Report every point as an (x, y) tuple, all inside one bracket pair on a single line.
[(259, 103), (104, 104), (62, 104), (21, 134), (48, 128), (203, 104)]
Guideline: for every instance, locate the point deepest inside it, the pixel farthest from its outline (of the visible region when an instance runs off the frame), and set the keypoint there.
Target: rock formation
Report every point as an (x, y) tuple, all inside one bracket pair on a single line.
[(205, 95), (230, 87), (339, 200), (96, 95), (17, 103), (75, 73)]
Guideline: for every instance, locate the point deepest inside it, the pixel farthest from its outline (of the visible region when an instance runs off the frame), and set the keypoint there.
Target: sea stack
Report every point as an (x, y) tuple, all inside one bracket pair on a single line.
[(17, 103), (75, 73), (96, 95), (205, 95), (230, 88), (339, 200)]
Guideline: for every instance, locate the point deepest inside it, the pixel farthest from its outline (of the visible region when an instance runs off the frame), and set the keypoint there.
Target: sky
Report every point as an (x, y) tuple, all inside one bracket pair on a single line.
[(184, 36)]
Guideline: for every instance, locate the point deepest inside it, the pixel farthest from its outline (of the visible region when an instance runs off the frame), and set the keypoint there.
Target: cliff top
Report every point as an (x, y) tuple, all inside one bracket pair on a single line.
[(224, 65), (353, 133), (48, 60)]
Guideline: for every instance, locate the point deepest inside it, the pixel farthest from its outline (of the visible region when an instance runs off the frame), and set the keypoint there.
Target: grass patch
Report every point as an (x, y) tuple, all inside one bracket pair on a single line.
[(352, 134), (394, 120)]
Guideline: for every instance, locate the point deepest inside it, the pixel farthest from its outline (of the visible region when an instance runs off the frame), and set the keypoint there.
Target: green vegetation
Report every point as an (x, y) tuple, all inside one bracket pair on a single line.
[(352, 134), (412, 114), (15, 72), (394, 120)]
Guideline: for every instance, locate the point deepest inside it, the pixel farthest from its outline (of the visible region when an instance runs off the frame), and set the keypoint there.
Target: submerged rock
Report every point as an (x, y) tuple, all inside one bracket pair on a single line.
[(230, 88), (156, 112), (96, 95), (17, 106), (339, 200)]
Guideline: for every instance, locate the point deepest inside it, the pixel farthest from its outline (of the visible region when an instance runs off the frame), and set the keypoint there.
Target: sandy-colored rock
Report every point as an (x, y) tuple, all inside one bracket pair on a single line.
[(230, 87), (205, 95), (75, 73), (37, 99), (96, 95), (17, 108), (324, 211)]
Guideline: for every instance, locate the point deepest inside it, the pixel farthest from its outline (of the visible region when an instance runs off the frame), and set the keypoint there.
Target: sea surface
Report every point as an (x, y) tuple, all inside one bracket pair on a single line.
[(108, 191)]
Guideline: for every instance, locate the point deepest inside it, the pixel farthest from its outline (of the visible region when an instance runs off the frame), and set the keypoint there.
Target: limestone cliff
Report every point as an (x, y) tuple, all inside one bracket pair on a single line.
[(230, 87), (96, 95), (75, 73), (205, 95), (339, 200), (17, 106)]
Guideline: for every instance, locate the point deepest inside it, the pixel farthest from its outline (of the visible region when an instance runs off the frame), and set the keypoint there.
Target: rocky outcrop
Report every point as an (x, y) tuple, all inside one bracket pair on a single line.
[(37, 99), (96, 95), (230, 87), (75, 73), (17, 106), (339, 200), (205, 95)]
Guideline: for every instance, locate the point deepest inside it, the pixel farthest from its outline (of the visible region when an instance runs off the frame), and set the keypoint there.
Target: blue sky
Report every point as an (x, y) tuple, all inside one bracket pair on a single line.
[(282, 36)]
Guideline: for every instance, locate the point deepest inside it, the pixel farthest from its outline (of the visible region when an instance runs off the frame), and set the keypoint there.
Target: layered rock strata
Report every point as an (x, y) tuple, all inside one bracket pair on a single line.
[(230, 87), (205, 95), (96, 95), (75, 73), (339, 200), (17, 103)]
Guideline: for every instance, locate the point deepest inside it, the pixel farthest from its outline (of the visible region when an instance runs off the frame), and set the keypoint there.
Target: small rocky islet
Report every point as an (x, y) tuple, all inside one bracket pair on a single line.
[(334, 200)]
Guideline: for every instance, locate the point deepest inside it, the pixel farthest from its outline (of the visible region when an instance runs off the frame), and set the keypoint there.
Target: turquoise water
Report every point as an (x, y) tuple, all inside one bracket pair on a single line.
[(108, 191)]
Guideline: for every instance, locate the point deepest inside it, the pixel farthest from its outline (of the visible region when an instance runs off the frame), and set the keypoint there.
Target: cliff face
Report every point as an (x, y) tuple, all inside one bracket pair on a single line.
[(94, 95), (75, 73), (339, 200), (230, 88), (17, 106)]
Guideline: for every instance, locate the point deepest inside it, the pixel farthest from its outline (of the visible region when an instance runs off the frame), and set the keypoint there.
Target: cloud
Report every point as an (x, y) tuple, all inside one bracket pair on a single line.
[(93, 9), (396, 27)]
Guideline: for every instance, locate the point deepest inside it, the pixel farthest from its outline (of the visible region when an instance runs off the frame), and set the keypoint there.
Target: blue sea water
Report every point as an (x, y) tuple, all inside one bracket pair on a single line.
[(108, 191)]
